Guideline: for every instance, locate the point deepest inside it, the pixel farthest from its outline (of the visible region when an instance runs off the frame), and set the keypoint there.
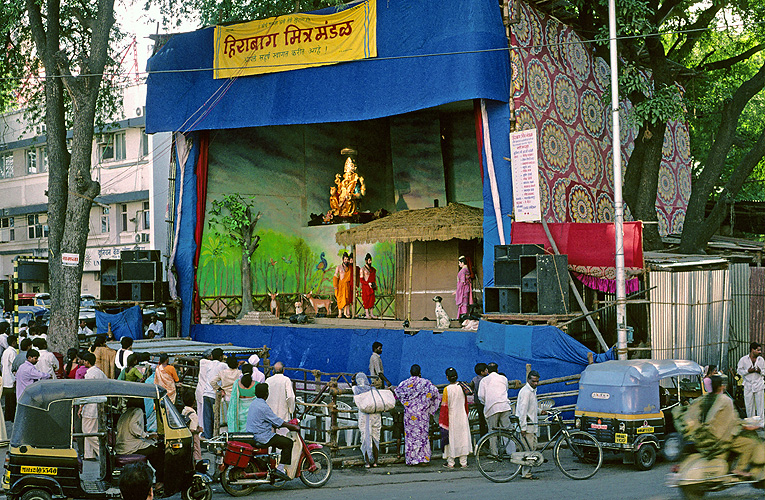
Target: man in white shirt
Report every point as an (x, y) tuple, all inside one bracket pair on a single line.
[(5, 327), (281, 396), (493, 394), (120, 359), (9, 379), (156, 327), (48, 363), (751, 368), (206, 374), (84, 330), (527, 413), (89, 412)]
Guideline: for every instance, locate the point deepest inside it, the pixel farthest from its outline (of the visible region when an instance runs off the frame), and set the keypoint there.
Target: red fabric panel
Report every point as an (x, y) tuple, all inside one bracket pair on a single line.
[(201, 171), (586, 244), (479, 133)]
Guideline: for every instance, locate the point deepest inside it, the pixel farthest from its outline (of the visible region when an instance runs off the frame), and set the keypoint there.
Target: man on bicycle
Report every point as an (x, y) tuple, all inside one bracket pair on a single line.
[(526, 411)]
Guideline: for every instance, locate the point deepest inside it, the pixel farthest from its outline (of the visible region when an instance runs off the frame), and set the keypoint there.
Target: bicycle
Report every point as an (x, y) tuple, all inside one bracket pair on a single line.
[(500, 454)]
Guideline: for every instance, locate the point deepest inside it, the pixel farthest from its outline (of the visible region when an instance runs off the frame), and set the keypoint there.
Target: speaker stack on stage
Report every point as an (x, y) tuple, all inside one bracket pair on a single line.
[(527, 280), (135, 277)]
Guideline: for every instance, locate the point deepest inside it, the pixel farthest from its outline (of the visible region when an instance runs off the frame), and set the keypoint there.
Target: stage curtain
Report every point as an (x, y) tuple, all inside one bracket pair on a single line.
[(201, 171)]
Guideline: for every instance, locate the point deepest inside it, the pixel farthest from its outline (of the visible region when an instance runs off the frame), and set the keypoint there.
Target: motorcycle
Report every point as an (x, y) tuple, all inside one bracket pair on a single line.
[(698, 474), (244, 464)]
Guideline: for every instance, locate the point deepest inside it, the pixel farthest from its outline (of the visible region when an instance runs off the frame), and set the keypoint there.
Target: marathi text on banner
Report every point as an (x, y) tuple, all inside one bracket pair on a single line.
[(523, 158), (296, 41)]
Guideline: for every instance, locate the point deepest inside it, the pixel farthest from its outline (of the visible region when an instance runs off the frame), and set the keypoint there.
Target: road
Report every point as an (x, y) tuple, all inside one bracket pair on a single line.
[(614, 480)]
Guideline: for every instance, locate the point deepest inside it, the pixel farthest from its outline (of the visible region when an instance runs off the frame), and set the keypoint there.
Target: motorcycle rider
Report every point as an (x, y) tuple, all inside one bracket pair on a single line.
[(713, 424), (261, 421)]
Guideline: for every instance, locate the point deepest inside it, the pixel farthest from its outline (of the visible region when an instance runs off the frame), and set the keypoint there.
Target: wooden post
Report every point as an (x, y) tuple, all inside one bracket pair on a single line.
[(353, 281), (333, 417), (590, 359), (411, 262), (528, 369), (575, 291)]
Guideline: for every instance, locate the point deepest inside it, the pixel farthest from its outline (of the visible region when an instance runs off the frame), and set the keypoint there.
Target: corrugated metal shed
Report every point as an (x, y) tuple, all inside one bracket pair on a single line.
[(690, 308), (740, 277)]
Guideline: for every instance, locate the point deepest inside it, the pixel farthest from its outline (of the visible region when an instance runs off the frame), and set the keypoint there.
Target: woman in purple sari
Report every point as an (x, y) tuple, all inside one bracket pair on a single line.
[(421, 400), (464, 292)]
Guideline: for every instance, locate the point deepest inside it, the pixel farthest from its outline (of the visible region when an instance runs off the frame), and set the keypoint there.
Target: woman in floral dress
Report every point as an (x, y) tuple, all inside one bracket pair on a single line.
[(421, 400)]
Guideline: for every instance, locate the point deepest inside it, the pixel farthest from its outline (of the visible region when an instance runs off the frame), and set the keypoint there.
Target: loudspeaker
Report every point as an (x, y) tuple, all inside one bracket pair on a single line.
[(108, 292), (141, 271), (513, 252), (139, 255), (110, 272), (138, 292)]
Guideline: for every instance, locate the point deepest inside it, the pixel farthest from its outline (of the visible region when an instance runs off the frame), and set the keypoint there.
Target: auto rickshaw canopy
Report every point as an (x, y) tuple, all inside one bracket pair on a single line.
[(44, 412), (628, 387)]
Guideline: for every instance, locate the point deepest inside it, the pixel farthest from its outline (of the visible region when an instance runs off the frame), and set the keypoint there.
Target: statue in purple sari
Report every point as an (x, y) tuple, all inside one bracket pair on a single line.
[(463, 294), (421, 399)]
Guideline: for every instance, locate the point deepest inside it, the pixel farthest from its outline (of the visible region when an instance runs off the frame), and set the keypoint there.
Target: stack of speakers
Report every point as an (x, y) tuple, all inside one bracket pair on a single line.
[(528, 281), (136, 277)]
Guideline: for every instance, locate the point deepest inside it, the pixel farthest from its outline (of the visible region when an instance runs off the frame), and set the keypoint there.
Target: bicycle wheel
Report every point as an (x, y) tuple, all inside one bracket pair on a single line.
[(493, 453), (578, 456)]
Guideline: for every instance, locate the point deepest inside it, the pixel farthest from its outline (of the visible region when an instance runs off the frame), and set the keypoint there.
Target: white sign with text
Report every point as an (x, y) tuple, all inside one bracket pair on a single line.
[(523, 157)]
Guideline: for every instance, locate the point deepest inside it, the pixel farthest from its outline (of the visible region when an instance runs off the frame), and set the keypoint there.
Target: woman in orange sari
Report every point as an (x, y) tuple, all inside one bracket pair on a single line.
[(166, 376)]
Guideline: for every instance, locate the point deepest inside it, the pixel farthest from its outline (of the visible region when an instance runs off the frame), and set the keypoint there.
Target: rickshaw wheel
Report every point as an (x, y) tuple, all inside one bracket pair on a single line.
[(36, 494), (645, 457), (197, 486)]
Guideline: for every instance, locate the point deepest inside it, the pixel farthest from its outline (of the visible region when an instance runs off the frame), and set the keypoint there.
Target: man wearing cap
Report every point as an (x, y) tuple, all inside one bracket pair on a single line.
[(257, 375)]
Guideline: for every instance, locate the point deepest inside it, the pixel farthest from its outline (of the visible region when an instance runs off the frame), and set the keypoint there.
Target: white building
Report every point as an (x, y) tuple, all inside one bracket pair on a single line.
[(132, 168)]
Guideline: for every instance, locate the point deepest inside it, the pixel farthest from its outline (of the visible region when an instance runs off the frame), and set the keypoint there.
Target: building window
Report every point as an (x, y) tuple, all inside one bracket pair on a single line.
[(31, 161), (146, 215), (7, 232), (35, 228), (124, 213), (119, 146), (6, 166), (42, 159), (104, 219), (111, 147), (144, 143), (6, 222)]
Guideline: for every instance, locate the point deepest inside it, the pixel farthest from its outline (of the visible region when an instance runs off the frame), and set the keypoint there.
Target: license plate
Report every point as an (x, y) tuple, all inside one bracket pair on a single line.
[(48, 471), (620, 438)]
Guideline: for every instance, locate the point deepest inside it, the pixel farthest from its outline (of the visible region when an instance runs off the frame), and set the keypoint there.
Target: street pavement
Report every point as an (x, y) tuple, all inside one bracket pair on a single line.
[(399, 482)]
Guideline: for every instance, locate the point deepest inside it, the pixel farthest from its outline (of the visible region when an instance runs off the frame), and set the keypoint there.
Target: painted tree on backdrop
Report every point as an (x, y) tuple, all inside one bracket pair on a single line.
[(56, 53), (233, 218), (669, 46)]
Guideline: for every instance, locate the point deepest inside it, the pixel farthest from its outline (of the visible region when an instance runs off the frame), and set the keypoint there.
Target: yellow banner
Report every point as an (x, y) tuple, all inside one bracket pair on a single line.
[(296, 41)]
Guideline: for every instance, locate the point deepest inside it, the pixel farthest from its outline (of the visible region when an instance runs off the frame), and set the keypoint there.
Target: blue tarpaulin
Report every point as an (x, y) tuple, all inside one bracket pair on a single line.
[(128, 323), (546, 348)]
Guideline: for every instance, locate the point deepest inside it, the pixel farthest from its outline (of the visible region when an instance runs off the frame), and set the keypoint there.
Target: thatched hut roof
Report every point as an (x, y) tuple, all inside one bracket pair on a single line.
[(455, 221)]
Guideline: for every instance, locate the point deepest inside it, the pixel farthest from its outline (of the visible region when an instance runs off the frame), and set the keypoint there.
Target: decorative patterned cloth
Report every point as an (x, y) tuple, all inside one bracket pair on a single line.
[(559, 89), (421, 400)]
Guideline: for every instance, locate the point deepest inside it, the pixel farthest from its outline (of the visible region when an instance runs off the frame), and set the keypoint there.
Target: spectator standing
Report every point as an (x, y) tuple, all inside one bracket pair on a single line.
[(454, 419), (89, 412), (79, 374), (48, 362), (5, 327), (421, 400), (257, 375), (492, 392), (370, 424), (24, 345), (376, 366), (751, 368), (83, 330), (166, 376), (136, 482), (242, 394), (120, 359), (480, 372), (27, 374), (104, 355), (9, 379), (225, 379), (208, 372), (190, 413), (528, 416), (281, 396), (72, 363)]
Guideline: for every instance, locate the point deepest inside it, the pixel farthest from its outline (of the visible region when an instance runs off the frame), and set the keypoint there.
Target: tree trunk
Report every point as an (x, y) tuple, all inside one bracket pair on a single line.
[(246, 285)]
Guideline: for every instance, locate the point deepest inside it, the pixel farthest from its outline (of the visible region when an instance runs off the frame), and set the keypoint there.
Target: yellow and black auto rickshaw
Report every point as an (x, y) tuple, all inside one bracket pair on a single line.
[(45, 458), (625, 404)]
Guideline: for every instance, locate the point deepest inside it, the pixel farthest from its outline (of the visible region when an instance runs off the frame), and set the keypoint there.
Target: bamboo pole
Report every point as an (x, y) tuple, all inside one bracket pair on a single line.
[(411, 262), (353, 281), (333, 419)]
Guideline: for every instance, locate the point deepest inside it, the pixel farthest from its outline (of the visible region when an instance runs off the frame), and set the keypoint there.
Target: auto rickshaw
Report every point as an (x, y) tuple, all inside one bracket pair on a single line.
[(626, 405), (45, 460)]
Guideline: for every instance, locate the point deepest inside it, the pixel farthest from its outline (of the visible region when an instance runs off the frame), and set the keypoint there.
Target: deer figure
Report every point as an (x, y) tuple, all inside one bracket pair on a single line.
[(274, 303), (317, 304)]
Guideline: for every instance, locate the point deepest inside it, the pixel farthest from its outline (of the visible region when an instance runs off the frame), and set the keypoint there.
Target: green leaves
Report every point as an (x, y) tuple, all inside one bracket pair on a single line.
[(232, 219)]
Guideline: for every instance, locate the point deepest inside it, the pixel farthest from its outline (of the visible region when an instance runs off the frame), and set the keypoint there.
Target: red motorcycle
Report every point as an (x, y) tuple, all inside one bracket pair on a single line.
[(245, 464)]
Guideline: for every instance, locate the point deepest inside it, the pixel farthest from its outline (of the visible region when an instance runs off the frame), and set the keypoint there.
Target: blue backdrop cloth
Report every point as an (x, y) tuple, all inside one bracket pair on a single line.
[(550, 351), (465, 57), (128, 323)]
